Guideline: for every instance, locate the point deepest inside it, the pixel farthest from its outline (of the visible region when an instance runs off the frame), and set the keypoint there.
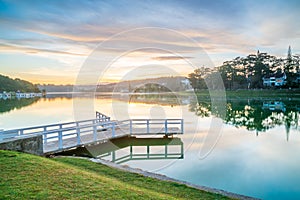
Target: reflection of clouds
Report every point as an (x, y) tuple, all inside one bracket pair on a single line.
[(240, 161)]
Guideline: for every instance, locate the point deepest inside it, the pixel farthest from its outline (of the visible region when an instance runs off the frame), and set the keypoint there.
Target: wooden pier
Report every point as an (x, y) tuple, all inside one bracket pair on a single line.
[(63, 136)]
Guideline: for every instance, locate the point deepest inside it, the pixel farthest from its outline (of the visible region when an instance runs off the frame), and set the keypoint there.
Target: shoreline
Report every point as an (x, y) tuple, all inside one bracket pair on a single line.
[(164, 178)]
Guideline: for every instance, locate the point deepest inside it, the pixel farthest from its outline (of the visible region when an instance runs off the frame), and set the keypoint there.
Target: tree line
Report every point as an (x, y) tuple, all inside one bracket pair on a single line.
[(248, 72), (13, 85)]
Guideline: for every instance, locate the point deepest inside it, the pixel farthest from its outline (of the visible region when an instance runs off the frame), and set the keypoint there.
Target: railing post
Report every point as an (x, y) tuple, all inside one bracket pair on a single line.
[(60, 141), (148, 128), (182, 126), (97, 116), (166, 126), (95, 132), (113, 130), (60, 137), (78, 135), (45, 134), (21, 132), (130, 127)]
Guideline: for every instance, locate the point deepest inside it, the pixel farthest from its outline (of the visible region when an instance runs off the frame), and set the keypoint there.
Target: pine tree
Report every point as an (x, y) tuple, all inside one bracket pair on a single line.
[(289, 61)]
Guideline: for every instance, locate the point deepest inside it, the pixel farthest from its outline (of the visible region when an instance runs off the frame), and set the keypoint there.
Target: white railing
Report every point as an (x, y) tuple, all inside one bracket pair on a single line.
[(40, 129), (75, 136), (72, 134), (153, 126)]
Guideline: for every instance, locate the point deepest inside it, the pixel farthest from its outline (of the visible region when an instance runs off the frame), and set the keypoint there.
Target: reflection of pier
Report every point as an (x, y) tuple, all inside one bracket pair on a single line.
[(123, 149), (63, 136), (149, 154)]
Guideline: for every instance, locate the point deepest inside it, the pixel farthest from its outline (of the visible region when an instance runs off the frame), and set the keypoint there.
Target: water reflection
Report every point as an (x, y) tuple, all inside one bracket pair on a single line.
[(274, 106), (161, 99), (234, 165), (7, 105), (255, 115), (126, 149)]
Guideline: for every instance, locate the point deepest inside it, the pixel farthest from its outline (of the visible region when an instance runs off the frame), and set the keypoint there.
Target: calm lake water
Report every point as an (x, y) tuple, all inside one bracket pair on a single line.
[(255, 153)]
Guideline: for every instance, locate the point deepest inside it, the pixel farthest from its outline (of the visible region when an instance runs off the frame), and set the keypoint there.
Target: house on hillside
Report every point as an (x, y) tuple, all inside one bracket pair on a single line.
[(274, 80), (186, 84), (6, 95)]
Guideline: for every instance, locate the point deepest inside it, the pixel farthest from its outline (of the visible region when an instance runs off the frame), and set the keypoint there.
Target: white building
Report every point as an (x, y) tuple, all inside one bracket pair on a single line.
[(274, 80), (186, 84)]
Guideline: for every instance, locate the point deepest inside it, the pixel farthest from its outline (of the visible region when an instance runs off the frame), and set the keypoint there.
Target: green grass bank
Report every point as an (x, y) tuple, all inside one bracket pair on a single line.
[(259, 93), (25, 176)]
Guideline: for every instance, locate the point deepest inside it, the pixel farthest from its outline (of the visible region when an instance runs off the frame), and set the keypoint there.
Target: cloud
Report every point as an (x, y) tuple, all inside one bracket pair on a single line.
[(171, 58), (223, 28), (30, 50)]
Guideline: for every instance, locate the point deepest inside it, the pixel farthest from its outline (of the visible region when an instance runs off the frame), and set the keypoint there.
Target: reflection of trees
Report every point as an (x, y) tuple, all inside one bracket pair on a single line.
[(165, 99), (251, 115), (159, 99), (202, 109), (11, 104)]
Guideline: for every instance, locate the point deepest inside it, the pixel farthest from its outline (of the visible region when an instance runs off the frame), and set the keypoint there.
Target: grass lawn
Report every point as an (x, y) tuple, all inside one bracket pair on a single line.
[(25, 176), (264, 93)]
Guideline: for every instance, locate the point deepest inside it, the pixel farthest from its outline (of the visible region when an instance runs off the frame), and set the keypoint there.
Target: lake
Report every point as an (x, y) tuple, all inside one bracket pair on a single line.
[(252, 149)]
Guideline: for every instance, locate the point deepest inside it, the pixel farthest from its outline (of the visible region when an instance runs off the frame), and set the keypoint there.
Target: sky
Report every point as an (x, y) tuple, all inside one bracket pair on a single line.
[(52, 42)]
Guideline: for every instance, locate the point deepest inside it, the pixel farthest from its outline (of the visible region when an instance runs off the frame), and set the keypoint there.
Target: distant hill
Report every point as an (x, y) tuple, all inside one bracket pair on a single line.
[(13, 85), (171, 83), (56, 88)]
